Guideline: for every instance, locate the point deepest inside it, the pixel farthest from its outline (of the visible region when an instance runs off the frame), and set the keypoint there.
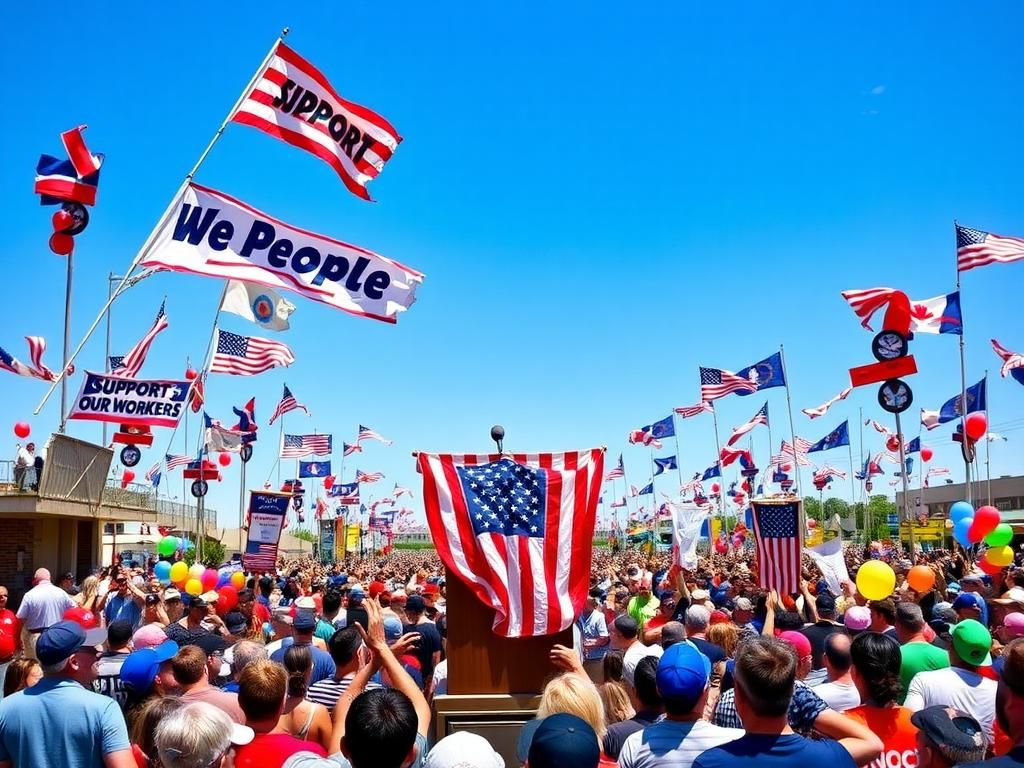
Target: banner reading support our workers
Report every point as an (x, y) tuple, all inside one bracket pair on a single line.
[(215, 235), (142, 402)]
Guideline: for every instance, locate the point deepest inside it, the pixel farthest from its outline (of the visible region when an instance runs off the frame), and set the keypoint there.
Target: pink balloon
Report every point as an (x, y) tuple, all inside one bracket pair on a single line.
[(985, 521), (22, 429), (976, 425), (209, 580)]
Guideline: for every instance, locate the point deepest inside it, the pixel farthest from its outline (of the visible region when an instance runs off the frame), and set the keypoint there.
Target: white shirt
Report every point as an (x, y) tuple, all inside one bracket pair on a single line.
[(43, 606), (958, 688), (25, 459), (594, 627), (439, 684), (839, 696), (673, 744), (632, 657)]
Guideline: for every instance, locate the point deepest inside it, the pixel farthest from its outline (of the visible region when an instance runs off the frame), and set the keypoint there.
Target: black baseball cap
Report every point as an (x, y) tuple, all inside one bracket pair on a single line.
[(415, 604), (562, 740), (956, 734)]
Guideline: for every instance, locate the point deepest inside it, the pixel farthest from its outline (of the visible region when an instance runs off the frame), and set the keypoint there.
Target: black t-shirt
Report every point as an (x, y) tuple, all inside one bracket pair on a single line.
[(617, 733), (1012, 759), (357, 614), (714, 652), (817, 633), (429, 644)]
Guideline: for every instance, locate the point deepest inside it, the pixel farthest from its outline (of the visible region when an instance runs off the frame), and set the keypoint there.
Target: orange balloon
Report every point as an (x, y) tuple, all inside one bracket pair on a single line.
[(921, 579)]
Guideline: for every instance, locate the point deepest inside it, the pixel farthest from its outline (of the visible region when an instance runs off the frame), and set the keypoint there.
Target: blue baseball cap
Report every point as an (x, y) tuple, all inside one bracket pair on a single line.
[(953, 587), (140, 667), (63, 639), (683, 673), (563, 739), (392, 629), (968, 600)]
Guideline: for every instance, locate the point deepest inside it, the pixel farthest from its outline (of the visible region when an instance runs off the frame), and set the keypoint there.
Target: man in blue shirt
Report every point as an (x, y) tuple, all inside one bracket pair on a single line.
[(303, 624), (57, 721), (125, 604)]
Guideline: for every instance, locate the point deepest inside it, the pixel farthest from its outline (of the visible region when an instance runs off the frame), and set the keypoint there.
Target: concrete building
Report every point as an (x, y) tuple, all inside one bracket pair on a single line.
[(1004, 493)]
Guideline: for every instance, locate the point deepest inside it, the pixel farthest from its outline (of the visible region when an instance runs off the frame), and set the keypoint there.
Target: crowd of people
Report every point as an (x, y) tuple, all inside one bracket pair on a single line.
[(321, 666)]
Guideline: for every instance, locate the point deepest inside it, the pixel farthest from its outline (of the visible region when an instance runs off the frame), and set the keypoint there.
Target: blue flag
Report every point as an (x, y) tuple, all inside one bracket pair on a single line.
[(714, 470), (910, 466), (647, 489), (659, 429), (663, 465), (314, 468), (765, 374), (951, 410), (837, 437), (913, 446), (350, 490)]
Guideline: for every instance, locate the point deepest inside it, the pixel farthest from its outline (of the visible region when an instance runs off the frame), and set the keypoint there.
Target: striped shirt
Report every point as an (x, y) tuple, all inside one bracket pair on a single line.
[(327, 692)]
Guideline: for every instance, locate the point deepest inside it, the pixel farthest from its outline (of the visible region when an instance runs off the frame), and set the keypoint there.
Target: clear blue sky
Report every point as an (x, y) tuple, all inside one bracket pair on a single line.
[(601, 201)]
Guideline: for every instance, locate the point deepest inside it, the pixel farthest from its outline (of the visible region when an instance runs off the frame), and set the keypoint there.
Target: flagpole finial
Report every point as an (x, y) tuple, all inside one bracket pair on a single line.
[(498, 436)]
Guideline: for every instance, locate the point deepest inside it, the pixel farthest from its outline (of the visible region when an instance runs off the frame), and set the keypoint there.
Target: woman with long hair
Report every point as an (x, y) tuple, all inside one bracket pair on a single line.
[(89, 593), (22, 673), (573, 693), (144, 728), (876, 673), (615, 699), (302, 718)]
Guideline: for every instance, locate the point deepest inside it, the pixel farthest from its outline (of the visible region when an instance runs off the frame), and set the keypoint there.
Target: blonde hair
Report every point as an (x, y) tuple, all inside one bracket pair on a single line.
[(574, 694), (616, 702), (193, 736), (90, 586), (726, 636)]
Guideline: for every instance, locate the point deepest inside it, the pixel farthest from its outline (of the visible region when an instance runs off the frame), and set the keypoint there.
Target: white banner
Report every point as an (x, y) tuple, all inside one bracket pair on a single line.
[(215, 235), (142, 402), (258, 304), (828, 556), (687, 520)]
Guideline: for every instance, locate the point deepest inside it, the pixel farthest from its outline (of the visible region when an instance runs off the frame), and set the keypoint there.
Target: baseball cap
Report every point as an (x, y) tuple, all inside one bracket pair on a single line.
[(83, 617), (376, 588), (968, 600), (944, 612), (148, 636), (307, 759), (398, 596), (1013, 623), (415, 604), (392, 629), (304, 603), (432, 589), (956, 734), (672, 632), (972, 577), (304, 621), (356, 594), (719, 617), (462, 749), (683, 673), (799, 642), (857, 618), (700, 594), (171, 594), (140, 666), (825, 602), (197, 601), (563, 739), (972, 642), (63, 640), (235, 622), (743, 604), (119, 634), (953, 587)]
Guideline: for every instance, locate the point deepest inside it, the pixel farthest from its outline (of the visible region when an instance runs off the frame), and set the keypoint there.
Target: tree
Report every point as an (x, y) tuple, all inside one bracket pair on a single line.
[(303, 535), (213, 553)]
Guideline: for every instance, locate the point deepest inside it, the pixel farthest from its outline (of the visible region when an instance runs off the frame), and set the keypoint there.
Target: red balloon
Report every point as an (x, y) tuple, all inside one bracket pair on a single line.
[(128, 476), (62, 221), (329, 482), (62, 244), (191, 373), (989, 568), (715, 487), (976, 425), (224, 459), (785, 467), (926, 453), (22, 429), (985, 521), (227, 598)]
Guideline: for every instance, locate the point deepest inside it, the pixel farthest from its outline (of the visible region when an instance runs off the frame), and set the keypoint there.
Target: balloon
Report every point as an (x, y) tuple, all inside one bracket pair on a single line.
[(179, 572), (987, 567), (194, 587), (223, 579), (985, 521), (166, 546), (976, 425), (128, 476), (715, 487), (209, 579), (926, 453), (961, 531), (892, 443), (1001, 556), (785, 467), (329, 482), (1001, 535), (921, 579), (238, 580), (22, 429), (960, 510), (62, 244), (62, 221), (191, 374), (224, 459), (227, 598), (162, 570), (196, 571), (812, 524), (876, 580)]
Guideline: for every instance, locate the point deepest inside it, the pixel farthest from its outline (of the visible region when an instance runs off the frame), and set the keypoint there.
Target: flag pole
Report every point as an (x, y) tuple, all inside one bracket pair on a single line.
[(863, 501), (144, 250), (679, 459), (906, 487), (792, 429), (721, 476), (963, 377), (988, 444)]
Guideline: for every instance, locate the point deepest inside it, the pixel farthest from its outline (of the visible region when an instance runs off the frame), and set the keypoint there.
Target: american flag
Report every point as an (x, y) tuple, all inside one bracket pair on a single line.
[(761, 417), (619, 470), (365, 433), (368, 477), (935, 472), (288, 403), (729, 455), (350, 449), (821, 410), (248, 355), (1011, 360), (689, 411), (36, 347), (400, 492), (619, 504), (778, 537), (116, 361), (132, 362), (716, 383), (173, 462), (153, 475), (298, 446), (264, 558), (975, 248), (866, 302), (518, 530), (828, 471)]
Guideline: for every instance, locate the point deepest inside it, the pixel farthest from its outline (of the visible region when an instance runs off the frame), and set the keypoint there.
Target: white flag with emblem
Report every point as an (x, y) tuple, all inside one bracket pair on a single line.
[(259, 304)]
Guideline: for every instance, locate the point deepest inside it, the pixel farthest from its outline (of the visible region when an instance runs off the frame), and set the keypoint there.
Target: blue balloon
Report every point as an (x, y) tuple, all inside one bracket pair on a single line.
[(961, 529), (960, 510), (162, 570)]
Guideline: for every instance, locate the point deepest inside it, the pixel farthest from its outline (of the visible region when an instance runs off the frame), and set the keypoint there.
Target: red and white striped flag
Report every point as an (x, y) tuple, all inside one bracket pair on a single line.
[(400, 492), (132, 362), (368, 477), (288, 403), (35, 370), (619, 470), (1011, 360), (294, 102), (689, 411), (821, 410), (761, 417), (173, 462), (248, 355), (935, 472), (365, 433), (778, 538), (828, 471), (517, 530), (975, 248), (867, 301), (85, 162), (348, 450), (716, 383), (729, 455)]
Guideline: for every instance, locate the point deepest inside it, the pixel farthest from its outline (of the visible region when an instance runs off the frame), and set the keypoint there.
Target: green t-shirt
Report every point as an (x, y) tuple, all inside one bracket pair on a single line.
[(643, 611), (920, 657)]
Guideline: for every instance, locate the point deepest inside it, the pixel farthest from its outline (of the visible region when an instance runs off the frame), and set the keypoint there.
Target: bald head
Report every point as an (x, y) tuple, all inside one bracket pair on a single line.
[(837, 652), (41, 575)]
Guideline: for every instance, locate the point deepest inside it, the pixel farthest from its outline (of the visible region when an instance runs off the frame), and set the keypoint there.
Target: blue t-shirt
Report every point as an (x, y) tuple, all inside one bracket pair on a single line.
[(323, 664), (775, 752), (123, 609), (59, 719)]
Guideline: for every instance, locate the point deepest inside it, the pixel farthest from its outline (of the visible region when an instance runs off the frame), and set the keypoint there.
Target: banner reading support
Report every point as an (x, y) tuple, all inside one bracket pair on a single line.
[(141, 402)]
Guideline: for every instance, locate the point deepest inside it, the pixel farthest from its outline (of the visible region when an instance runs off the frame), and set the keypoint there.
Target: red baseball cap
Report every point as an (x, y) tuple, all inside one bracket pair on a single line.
[(376, 588), (82, 617), (431, 589), (719, 617)]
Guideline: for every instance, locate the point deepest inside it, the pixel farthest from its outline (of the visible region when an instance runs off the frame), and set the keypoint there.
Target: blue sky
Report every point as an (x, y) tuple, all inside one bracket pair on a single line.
[(600, 202)]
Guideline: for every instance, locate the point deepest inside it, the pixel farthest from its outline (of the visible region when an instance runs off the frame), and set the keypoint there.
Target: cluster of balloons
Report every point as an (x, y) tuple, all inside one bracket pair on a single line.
[(197, 579), (974, 526), (168, 545)]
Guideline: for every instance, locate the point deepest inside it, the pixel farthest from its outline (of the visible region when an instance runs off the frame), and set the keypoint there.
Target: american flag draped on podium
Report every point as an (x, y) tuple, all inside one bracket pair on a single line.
[(779, 539), (518, 530)]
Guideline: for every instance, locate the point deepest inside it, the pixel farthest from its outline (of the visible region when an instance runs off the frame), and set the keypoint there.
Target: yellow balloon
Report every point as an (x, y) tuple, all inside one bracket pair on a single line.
[(1000, 556), (237, 579), (194, 586), (875, 580), (179, 572)]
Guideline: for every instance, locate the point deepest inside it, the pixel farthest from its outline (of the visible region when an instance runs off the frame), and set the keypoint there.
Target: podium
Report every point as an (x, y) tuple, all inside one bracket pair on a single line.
[(494, 683)]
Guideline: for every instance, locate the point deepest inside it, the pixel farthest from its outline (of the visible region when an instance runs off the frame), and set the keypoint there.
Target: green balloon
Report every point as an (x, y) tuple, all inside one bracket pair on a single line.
[(1001, 535), (167, 546)]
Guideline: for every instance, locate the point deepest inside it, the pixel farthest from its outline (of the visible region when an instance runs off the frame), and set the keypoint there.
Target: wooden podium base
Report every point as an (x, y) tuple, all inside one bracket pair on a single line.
[(497, 717)]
